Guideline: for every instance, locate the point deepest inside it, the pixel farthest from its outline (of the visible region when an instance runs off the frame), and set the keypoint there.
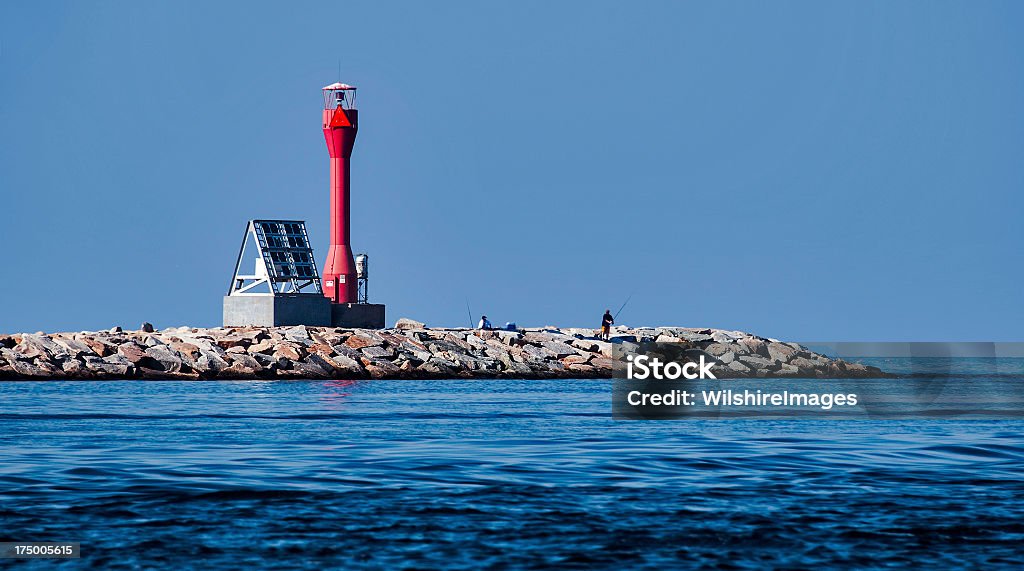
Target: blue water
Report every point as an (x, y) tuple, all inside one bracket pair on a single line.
[(499, 473)]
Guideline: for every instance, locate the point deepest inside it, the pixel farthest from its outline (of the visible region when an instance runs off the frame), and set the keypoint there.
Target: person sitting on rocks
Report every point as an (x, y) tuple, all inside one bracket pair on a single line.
[(484, 323), (606, 324)]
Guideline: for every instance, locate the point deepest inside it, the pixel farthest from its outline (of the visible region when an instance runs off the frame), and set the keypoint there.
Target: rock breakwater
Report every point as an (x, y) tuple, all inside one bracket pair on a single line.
[(410, 350)]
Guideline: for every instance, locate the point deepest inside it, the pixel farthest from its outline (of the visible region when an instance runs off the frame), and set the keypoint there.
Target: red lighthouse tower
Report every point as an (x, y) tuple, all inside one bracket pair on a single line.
[(340, 123), (285, 288)]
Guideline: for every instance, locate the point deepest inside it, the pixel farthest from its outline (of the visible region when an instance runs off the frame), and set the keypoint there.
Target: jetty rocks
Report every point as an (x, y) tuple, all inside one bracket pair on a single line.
[(408, 351)]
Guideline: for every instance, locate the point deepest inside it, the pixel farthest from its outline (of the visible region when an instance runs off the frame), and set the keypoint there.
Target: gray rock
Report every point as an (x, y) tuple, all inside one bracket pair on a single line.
[(604, 348), (406, 323), (75, 369), (115, 367), (415, 351), (437, 366), (35, 345), (780, 352), (9, 356), (73, 347), (590, 345), (788, 370), (717, 349), (346, 364), (756, 362), (242, 366), (476, 341), (364, 339), (31, 369), (516, 368), (135, 355), (377, 352), (558, 348), (382, 369), (152, 341), (738, 367), (168, 360), (298, 334), (267, 362), (696, 337), (722, 337), (755, 346), (626, 347), (804, 365), (210, 363), (603, 363), (534, 353), (313, 367)]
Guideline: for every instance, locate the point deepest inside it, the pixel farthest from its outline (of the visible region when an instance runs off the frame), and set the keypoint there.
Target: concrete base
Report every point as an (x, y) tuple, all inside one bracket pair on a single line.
[(357, 315), (273, 311)]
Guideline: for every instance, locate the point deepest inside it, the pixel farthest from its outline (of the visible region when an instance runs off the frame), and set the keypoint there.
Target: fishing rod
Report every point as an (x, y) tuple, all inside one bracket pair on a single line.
[(616, 316), (470, 314)]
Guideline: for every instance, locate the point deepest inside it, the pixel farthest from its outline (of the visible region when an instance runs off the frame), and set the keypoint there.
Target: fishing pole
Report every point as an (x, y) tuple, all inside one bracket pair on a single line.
[(616, 316), (470, 314)]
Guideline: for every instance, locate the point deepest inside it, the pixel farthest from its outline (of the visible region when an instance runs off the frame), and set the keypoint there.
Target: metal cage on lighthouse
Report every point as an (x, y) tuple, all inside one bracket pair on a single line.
[(339, 95)]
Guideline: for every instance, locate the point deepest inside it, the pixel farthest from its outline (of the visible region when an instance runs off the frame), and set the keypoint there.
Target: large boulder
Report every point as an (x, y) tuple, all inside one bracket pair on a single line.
[(289, 351), (781, 352), (559, 349), (298, 334), (361, 340), (406, 323), (73, 347), (35, 345), (754, 346), (758, 363), (718, 349), (100, 347), (168, 360), (377, 352), (242, 367)]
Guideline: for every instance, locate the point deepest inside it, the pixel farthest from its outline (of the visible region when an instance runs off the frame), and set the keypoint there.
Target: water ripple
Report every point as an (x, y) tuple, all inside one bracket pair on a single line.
[(500, 473)]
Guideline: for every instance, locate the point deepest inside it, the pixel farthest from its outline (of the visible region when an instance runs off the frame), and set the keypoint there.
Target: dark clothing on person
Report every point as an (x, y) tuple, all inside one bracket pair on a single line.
[(606, 325)]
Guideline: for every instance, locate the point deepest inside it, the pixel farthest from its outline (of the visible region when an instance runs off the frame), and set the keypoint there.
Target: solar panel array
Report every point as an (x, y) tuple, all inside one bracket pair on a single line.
[(284, 247)]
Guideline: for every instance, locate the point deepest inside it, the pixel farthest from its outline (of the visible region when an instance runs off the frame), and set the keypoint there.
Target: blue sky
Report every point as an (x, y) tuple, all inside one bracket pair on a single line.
[(806, 170)]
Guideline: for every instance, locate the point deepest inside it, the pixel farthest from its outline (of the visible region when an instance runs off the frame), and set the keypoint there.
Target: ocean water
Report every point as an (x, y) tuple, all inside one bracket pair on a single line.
[(488, 474)]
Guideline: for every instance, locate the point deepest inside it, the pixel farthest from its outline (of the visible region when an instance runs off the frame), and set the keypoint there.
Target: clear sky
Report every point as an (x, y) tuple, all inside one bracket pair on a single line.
[(804, 170)]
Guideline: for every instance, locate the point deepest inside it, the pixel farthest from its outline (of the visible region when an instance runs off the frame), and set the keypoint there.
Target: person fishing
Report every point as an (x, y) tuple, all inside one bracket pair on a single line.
[(484, 323), (606, 324)]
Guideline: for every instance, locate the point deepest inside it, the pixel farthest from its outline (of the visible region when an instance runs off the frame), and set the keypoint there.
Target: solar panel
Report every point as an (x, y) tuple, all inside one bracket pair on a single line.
[(285, 262)]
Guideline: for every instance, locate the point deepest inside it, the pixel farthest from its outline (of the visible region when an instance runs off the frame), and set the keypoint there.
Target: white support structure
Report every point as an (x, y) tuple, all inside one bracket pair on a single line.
[(284, 263)]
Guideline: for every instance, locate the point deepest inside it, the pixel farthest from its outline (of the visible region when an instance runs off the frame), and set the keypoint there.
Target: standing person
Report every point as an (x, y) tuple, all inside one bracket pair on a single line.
[(606, 324), (484, 323)]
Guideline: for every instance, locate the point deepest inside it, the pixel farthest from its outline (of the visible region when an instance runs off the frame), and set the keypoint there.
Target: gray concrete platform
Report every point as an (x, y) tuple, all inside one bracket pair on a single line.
[(277, 310), (300, 309)]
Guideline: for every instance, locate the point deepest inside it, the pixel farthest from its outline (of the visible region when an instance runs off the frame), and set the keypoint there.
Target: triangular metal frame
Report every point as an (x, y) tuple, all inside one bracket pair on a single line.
[(285, 262)]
